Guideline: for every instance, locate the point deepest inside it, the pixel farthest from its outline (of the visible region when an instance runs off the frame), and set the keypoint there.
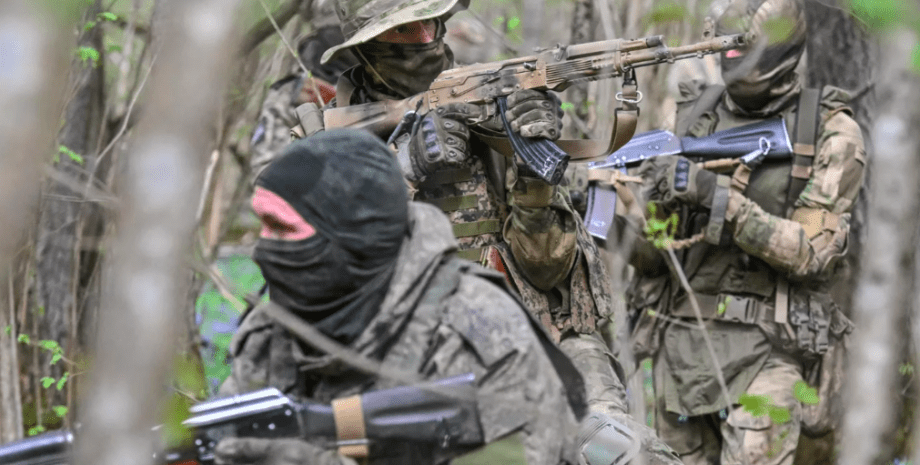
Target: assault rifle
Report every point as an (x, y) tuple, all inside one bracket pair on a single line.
[(752, 143), (488, 85), (441, 413)]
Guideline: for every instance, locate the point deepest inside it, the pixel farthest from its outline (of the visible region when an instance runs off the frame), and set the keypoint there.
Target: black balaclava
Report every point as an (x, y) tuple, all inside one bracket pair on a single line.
[(405, 69), (347, 185), (763, 80)]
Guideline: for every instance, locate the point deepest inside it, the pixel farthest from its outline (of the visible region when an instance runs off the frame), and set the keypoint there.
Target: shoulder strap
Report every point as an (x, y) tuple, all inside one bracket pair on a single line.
[(806, 133), (343, 90), (707, 101)]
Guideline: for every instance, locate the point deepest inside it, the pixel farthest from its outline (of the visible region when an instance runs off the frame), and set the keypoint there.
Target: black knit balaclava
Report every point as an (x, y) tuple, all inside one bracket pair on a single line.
[(347, 185)]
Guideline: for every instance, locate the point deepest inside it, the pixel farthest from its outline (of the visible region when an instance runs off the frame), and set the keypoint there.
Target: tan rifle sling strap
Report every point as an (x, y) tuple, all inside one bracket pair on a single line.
[(806, 133)]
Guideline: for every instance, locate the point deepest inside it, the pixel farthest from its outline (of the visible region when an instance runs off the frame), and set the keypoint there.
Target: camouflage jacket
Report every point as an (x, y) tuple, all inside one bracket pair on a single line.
[(544, 251), (742, 281), (478, 328)]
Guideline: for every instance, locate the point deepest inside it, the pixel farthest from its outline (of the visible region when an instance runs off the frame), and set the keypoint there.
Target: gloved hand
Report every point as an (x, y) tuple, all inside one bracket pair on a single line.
[(678, 180), (533, 113), (261, 451), (441, 139)]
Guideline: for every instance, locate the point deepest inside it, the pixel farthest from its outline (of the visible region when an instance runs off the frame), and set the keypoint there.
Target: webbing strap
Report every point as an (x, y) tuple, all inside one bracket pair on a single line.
[(350, 426), (806, 130), (713, 232), (706, 102), (477, 227), (450, 204), (473, 255)]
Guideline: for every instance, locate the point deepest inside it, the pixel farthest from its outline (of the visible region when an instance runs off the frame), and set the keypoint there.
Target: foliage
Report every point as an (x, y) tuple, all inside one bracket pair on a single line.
[(805, 393), (89, 55), (667, 12), (63, 150), (758, 406), (660, 232), (48, 382)]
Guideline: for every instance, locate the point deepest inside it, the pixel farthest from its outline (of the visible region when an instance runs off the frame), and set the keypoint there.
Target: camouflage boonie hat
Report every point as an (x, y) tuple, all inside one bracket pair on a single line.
[(362, 20)]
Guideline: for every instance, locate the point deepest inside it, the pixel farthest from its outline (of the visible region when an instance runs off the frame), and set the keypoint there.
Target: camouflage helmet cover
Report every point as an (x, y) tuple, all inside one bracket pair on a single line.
[(362, 20)]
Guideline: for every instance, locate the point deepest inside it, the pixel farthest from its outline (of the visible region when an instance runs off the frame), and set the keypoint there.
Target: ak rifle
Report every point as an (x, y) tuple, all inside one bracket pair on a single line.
[(489, 84)]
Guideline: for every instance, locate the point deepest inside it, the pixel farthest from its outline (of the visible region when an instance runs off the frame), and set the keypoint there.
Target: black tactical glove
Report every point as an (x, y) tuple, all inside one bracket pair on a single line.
[(674, 179), (533, 113), (441, 139), (261, 451)]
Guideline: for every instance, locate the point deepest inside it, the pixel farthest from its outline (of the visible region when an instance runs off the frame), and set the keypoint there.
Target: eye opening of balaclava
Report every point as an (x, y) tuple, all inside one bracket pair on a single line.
[(762, 77), (346, 184), (404, 70)]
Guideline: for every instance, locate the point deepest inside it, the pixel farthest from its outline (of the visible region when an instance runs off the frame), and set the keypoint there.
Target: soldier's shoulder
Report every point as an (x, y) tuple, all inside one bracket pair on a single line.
[(836, 99)]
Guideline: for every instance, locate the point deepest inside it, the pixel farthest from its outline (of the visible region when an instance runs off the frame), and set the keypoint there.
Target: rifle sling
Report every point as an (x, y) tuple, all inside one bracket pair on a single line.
[(350, 426), (806, 130)]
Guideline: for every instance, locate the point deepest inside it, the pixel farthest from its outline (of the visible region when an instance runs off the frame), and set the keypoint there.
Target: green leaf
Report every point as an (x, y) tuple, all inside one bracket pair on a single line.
[(567, 106), (89, 25), (8, 330), (23, 338), (60, 410), (724, 305), (49, 344), (47, 381), (70, 154), (55, 358), (757, 406), (906, 369), (89, 54), (36, 430), (779, 414), (513, 23), (176, 410), (107, 16), (666, 13), (61, 382), (805, 393)]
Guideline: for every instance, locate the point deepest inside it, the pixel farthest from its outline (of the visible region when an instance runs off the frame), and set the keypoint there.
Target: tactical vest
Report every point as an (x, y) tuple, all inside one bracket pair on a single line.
[(730, 284)]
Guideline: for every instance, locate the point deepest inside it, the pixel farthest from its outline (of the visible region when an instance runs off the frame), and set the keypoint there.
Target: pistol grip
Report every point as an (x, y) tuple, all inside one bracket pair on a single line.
[(542, 156)]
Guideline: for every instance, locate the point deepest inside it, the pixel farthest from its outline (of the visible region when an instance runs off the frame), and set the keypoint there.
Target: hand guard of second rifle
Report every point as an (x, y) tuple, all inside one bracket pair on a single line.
[(533, 113), (441, 140), (261, 451), (681, 181)]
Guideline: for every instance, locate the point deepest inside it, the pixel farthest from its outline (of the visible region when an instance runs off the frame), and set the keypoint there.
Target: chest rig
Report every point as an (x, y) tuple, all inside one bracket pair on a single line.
[(472, 197)]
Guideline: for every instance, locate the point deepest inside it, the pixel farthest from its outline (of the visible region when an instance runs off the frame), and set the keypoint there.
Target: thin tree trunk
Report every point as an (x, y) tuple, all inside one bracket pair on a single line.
[(58, 240), (144, 290), (29, 99), (887, 275)]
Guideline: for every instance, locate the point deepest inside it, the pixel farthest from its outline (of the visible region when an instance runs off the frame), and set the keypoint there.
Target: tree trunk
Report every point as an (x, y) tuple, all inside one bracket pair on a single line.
[(29, 97), (887, 274), (58, 242), (144, 290)]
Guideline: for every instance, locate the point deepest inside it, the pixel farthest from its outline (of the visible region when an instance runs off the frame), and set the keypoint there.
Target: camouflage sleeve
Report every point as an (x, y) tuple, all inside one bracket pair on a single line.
[(273, 131), (519, 392), (540, 230), (816, 235)]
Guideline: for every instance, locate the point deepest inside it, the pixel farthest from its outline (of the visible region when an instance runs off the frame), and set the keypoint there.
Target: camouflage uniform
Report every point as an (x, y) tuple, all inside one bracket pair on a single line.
[(544, 251), (477, 328), (775, 256)]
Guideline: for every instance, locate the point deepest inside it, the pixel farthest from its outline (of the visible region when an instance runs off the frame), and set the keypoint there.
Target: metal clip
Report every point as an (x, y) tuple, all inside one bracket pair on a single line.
[(619, 97), (754, 158)]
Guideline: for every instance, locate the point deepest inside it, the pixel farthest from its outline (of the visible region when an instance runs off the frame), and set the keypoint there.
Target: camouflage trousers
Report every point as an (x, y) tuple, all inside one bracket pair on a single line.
[(606, 394), (724, 439)]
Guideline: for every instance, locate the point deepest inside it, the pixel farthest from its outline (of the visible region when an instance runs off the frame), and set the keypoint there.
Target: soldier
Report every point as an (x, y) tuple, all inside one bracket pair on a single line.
[(771, 238), (273, 131), (503, 216), (342, 251)]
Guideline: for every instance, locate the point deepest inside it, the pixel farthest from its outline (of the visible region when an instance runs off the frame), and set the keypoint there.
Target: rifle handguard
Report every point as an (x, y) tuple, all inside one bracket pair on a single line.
[(543, 157)]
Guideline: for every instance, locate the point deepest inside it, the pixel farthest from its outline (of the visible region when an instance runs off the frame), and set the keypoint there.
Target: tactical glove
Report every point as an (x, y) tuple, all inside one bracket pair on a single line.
[(533, 113), (261, 451), (682, 181), (440, 140)]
